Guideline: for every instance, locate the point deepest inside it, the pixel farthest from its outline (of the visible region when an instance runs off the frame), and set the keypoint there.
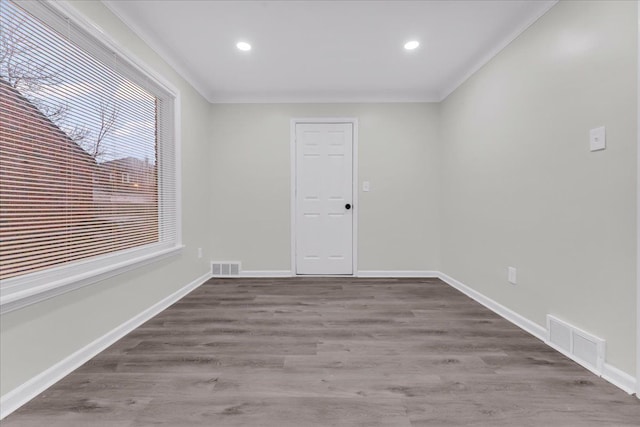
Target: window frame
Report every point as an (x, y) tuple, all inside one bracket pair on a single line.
[(31, 288)]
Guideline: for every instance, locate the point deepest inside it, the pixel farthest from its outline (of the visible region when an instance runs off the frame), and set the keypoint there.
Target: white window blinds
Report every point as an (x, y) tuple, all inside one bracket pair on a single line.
[(87, 152)]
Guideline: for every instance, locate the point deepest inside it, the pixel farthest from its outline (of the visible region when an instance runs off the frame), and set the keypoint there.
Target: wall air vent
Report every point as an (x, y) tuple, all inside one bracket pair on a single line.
[(582, 347), (225, 268)]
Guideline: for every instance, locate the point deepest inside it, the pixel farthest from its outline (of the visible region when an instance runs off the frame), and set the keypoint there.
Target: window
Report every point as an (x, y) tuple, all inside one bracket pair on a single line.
[(74, 114)]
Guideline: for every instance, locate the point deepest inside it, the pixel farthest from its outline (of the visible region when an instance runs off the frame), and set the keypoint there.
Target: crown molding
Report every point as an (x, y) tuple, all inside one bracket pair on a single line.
[(495, 51), (213, 98), (317, 98), (183, 71)]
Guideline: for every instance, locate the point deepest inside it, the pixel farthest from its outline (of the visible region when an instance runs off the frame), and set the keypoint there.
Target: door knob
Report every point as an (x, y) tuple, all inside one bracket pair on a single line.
[(347, 206)]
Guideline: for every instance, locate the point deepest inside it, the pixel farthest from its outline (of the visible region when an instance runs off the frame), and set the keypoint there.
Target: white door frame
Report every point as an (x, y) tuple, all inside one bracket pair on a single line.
[(638, 220), (356, 206)]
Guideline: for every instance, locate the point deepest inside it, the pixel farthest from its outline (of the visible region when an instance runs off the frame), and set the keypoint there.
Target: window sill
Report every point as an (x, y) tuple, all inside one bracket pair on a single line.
[(19, 292)]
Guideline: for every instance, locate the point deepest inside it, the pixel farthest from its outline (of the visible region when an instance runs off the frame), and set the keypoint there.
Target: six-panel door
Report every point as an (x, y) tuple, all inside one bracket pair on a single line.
[(324, 188)]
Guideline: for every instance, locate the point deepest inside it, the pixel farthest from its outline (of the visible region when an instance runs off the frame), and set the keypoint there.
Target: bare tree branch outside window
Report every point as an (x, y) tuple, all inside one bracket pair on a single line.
[(96, 146), (20, 69)]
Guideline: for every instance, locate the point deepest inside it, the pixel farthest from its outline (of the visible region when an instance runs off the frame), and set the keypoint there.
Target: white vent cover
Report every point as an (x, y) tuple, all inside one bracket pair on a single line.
[(559, 334), (225, 268), (584, 348)]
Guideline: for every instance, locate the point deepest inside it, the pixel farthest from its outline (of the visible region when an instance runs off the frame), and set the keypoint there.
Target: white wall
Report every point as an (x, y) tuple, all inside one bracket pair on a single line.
[(508, 151), (249, 186), (35, 338), (520, 187)]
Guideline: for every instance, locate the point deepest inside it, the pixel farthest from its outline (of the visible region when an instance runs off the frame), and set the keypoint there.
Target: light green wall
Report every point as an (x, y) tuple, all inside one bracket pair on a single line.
[(250, 183), (35, 338), (521, 188)]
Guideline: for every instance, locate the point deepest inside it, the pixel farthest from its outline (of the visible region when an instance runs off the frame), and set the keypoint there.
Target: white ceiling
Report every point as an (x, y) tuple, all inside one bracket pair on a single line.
[(328, 51)]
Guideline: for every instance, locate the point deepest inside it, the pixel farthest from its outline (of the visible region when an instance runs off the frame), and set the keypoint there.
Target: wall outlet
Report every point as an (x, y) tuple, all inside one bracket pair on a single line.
[(199, 252), (598, 139), (511, 275)]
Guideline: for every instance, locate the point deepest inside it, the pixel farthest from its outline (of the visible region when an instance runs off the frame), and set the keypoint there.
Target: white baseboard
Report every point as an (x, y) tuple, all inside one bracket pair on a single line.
[(265, 273), (397, 273), (619, 378), (522, 322), (36, 385), (366, 273), (615, 376)]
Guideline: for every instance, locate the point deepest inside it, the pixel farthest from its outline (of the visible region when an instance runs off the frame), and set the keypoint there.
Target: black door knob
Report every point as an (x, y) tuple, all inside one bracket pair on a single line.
[(348, 206)]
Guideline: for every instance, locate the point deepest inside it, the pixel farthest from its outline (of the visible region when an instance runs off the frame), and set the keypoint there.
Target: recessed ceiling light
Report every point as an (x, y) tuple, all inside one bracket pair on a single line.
[(244, 46), (410, 45)]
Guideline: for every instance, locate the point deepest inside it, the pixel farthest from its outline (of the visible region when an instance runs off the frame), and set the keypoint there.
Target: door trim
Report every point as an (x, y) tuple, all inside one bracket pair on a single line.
[(292, 195), (638, 211)]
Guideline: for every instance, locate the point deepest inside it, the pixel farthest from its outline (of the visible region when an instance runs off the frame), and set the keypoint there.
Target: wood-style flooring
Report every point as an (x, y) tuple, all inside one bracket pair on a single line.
[(329, 352)]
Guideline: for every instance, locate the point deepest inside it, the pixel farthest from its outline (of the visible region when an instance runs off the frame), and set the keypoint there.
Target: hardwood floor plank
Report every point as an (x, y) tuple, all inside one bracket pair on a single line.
[(276, 411), (329, 352)]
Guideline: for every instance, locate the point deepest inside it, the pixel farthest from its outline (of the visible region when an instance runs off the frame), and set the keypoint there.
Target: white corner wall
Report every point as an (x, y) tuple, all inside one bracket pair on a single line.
[(521, 188), (249, 186), (35, 338)]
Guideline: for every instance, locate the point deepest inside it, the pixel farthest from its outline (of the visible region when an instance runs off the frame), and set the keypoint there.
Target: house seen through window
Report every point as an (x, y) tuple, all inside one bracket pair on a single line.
[(73, 117)]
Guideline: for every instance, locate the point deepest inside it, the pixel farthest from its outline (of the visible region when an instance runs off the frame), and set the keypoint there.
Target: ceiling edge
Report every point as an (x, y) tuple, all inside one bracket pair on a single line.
[(496, 50), (212, 99), (163, 54), (310, 99)]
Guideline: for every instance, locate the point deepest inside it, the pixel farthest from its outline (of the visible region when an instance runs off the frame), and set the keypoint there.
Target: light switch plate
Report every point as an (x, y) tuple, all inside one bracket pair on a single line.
[(511, 275), (365, 186), (598, 139)]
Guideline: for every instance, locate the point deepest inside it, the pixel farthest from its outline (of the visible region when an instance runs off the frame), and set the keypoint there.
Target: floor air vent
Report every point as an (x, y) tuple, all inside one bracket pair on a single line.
[(225, 269), (584, 348)]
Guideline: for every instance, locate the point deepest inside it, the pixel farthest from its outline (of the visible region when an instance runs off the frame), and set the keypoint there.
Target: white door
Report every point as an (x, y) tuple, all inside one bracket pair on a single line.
[(324, 188)]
